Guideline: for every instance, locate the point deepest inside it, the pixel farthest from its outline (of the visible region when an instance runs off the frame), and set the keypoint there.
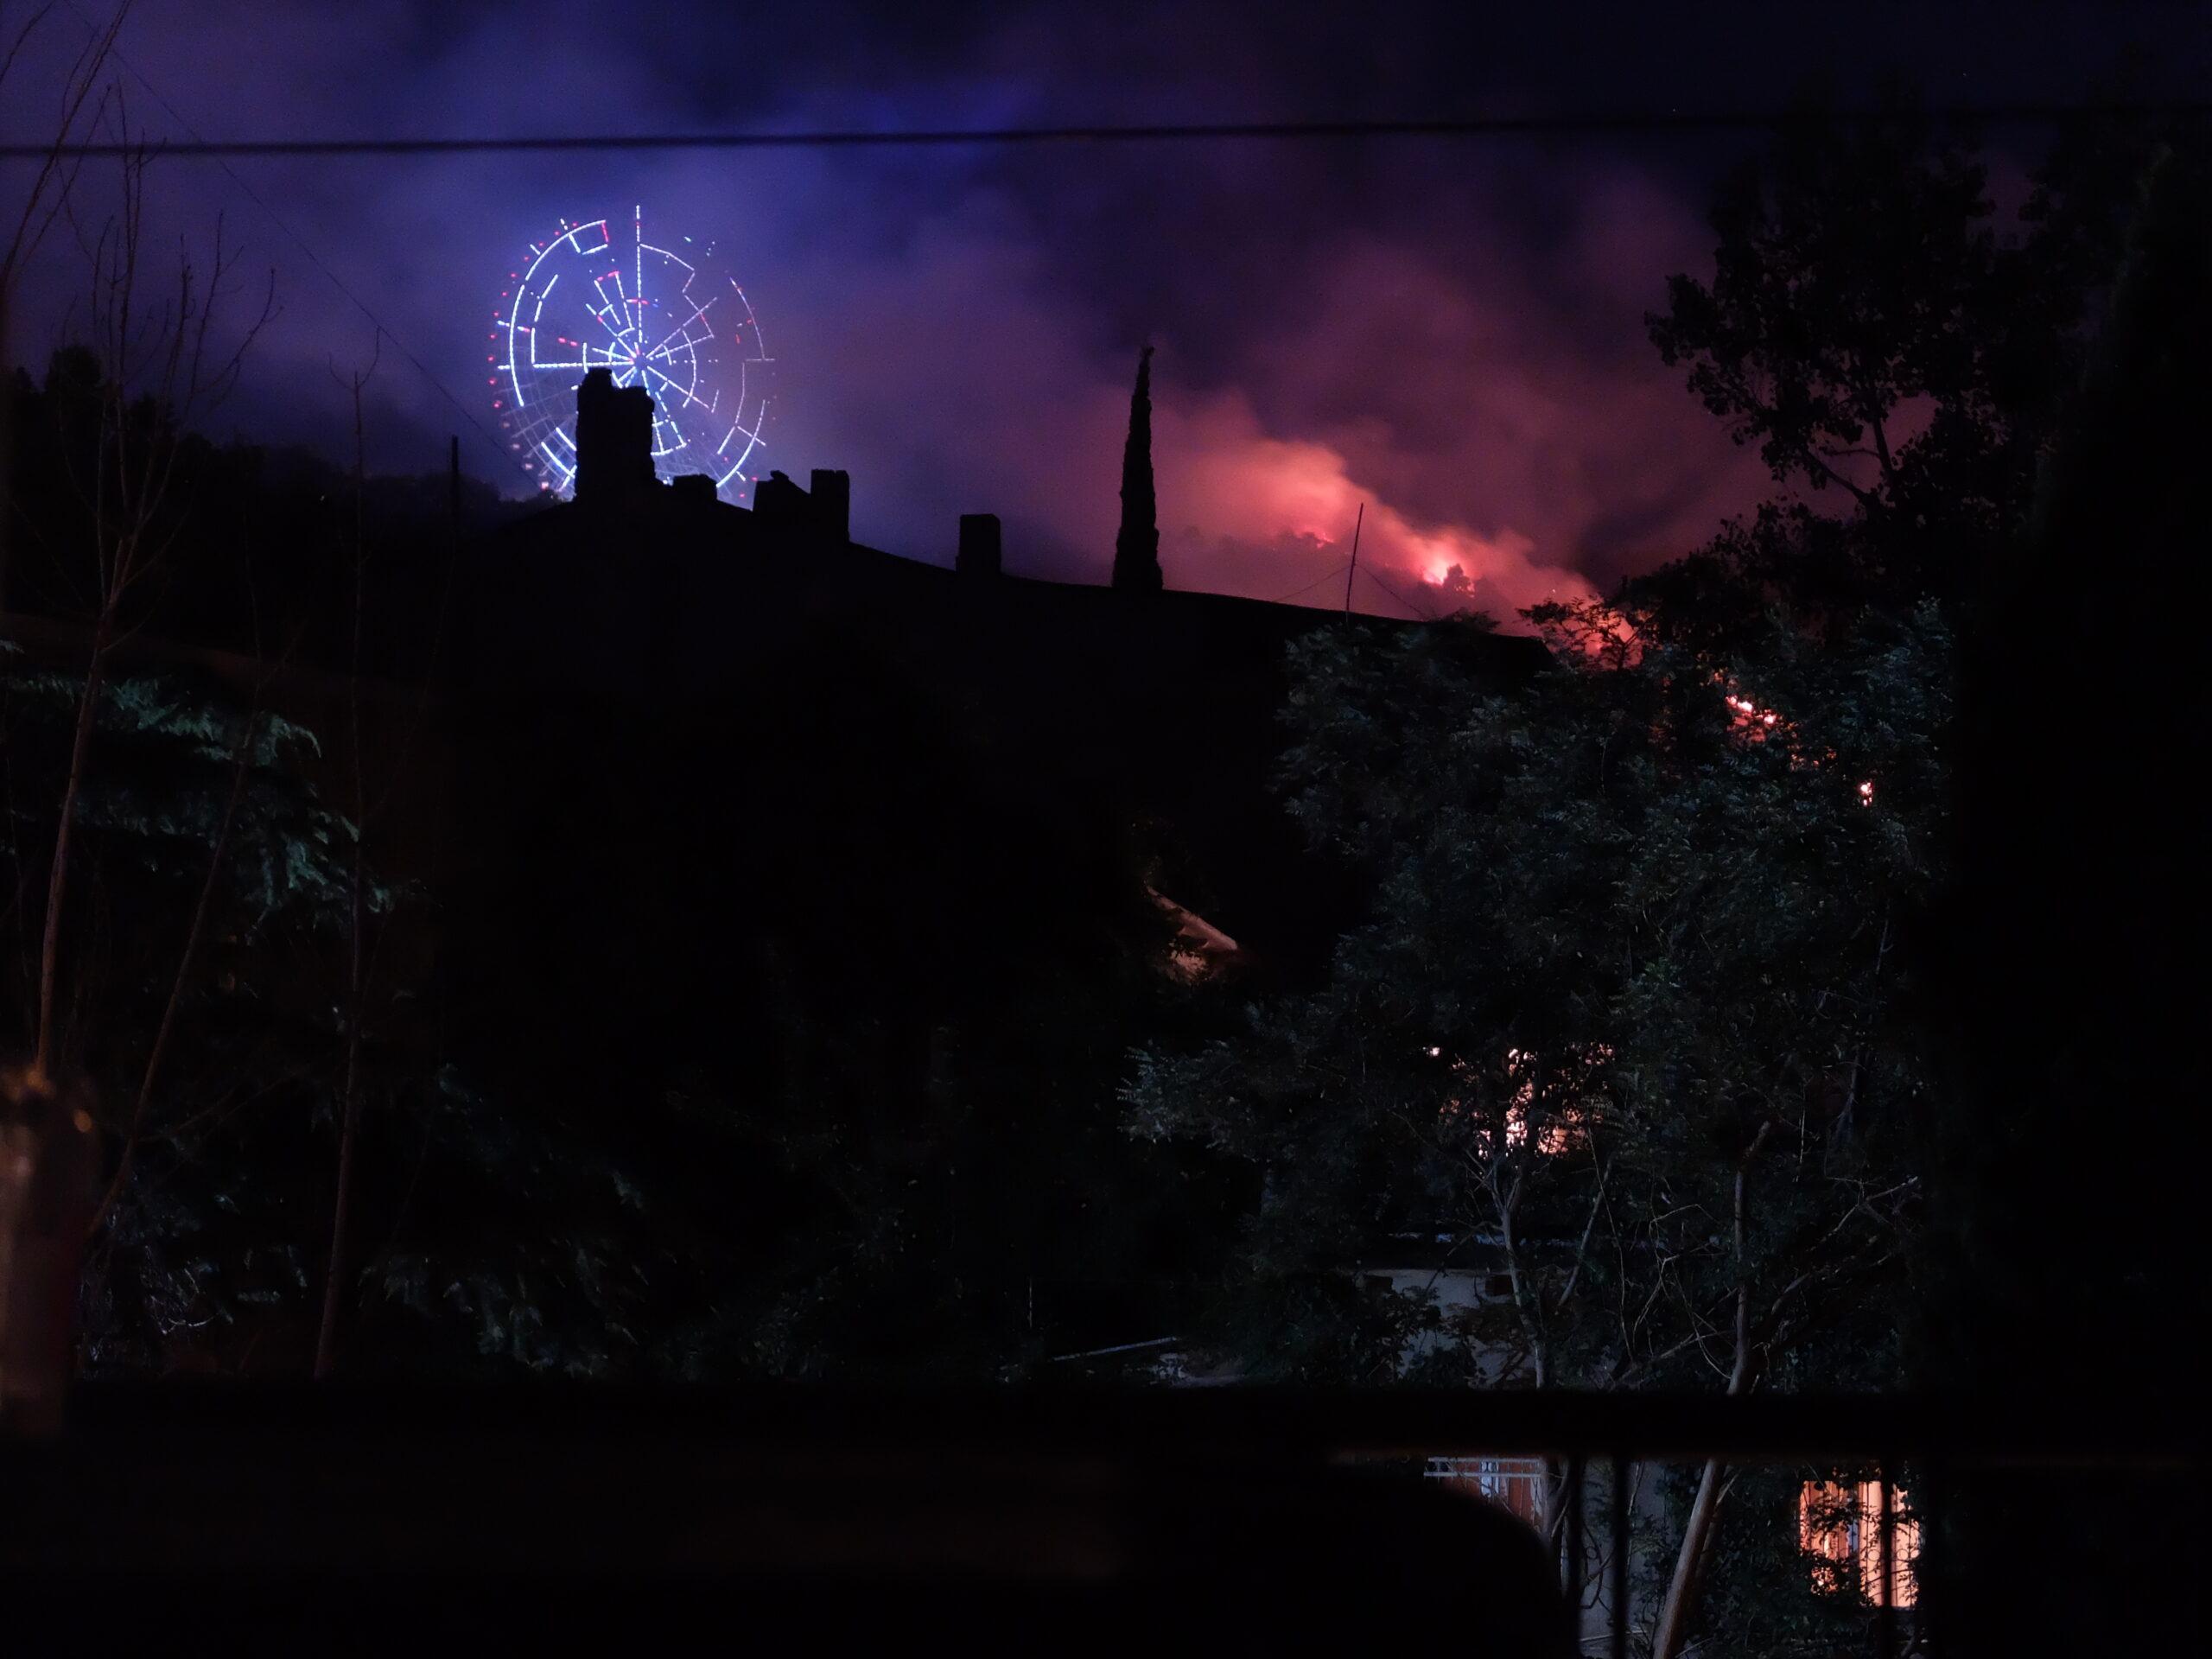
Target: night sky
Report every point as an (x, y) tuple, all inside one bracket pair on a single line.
[(1450, 331)]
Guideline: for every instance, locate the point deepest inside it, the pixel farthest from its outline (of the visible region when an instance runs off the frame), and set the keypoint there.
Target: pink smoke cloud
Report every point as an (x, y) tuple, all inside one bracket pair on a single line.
[(954, 339), (1243, 511)]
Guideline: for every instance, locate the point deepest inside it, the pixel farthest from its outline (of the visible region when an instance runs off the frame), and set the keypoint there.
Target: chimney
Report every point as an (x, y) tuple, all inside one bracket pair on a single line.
[(979, 544), (776, 500), (693, 491), (832, 490), (614, 441)]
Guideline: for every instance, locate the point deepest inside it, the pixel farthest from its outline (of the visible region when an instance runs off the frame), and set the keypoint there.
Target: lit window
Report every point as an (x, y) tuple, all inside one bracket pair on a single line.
[(1840, 1525), (1515, 1485)]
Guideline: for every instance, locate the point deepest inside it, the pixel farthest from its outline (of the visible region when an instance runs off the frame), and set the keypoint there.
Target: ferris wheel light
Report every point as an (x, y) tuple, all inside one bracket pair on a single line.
[(656, 325)]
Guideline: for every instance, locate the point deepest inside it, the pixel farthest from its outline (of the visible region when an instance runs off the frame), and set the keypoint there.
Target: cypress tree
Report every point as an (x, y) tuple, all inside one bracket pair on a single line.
[(1136, 548)]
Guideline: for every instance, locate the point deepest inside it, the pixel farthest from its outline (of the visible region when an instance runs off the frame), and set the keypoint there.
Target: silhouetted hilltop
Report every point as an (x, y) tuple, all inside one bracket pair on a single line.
[(1159, 709)]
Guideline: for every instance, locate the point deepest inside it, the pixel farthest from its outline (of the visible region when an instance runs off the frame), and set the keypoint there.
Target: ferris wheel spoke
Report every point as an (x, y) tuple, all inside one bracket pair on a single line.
[(683, 392), (698, 315), (709, 401), (639, 221), (612, 333), (752, 436)]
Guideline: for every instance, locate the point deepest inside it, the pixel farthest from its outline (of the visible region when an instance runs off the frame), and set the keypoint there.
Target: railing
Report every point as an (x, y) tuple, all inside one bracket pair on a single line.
[(321, 1474), (1858, 1537), (1880, 1511), (604, 1445)]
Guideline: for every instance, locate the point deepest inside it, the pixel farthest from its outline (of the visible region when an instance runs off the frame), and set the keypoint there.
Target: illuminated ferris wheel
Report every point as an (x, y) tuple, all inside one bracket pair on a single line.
[(665, 319)]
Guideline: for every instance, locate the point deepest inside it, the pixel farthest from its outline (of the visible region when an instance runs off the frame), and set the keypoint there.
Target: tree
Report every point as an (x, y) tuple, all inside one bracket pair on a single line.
[(1893, 354), (119, 444), (1639, 1015), (1621, 1021), (154, 365), (2067, 439), (207, 868), (218, 1034), (1136, 545), (51, 182), (357, 909), (1849, 260)]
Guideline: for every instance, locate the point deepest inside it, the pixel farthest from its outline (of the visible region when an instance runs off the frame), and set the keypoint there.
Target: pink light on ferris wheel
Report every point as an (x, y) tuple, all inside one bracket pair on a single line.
[(676, 323)]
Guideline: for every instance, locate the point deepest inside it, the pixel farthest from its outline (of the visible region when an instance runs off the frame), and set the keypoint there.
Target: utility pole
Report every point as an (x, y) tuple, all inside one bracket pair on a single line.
[(1352, 568)]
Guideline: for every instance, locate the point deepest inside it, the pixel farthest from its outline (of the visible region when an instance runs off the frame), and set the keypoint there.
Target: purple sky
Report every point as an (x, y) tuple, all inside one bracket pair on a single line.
[(1449, 332)]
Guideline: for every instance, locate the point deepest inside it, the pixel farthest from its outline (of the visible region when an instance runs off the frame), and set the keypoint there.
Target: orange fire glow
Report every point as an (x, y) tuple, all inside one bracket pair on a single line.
[(1567, 1129), (1199, 951), (1755, 724), (1750, 720), (1840, 1525)]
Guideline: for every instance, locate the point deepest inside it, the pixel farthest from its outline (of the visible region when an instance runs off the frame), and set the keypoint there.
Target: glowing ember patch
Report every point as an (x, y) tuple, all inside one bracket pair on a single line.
[(1573, 1101), (1749, 718), (1199, 951)]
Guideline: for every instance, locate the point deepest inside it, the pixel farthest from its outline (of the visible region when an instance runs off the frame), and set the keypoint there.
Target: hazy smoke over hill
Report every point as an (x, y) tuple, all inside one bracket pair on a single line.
[(1451, 333)]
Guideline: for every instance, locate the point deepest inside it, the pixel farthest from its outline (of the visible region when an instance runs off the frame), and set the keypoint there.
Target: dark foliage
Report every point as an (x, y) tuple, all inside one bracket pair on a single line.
[(213, 1216)]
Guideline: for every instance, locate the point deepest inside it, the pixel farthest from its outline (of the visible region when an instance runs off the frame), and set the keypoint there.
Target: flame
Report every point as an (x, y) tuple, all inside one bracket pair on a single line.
[(1754, 722)]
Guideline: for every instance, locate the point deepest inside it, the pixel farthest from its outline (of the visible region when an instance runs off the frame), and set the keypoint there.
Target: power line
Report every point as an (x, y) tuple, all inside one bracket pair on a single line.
[(1421, 611), (1284, 599), (1566, 125)]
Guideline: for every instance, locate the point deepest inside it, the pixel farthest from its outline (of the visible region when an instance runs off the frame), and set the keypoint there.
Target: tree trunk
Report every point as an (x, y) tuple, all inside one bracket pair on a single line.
[(241, 771), (57, 880), (1697, 1533), (1690, 1561), (326, 1342)]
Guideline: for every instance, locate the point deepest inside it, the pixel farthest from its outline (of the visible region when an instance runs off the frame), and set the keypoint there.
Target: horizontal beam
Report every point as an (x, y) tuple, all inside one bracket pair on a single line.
[(1499, 126), (1774, 1428)]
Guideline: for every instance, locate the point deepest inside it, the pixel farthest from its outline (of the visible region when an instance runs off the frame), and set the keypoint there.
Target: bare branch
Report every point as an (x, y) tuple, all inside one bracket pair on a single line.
[(58, 163), (241, 770)]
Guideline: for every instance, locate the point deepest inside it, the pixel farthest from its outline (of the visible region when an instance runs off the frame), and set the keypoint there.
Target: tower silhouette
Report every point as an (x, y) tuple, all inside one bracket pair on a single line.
[(614, 441)]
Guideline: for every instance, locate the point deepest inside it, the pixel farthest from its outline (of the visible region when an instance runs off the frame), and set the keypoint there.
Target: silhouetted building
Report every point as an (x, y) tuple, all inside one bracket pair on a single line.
[(1136, 549), (614, 441), (979, 544), (1161, 715), (832, 491), (694, 490)]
